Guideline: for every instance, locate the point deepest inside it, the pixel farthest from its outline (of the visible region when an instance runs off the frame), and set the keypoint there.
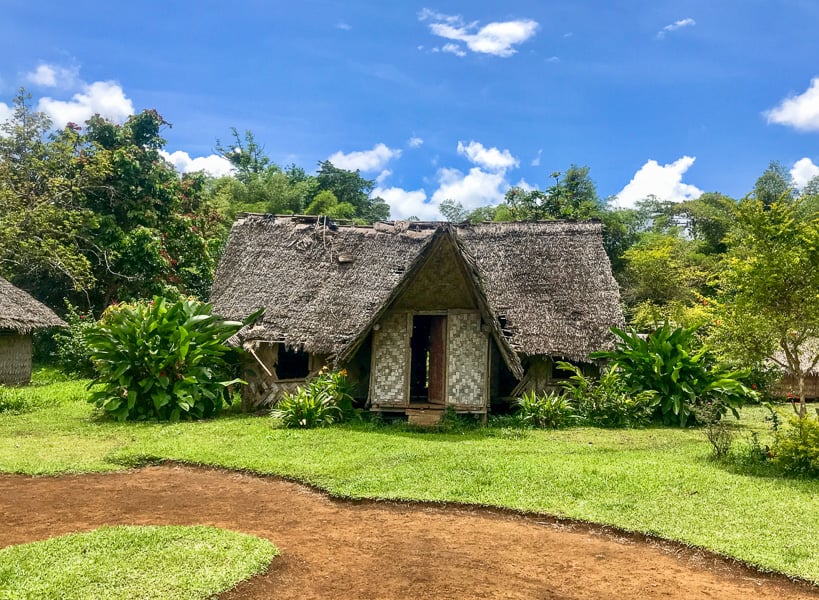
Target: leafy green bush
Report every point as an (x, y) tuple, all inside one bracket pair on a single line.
[(796, 447), (73, 352), (323, 400), (607, 401), (669, 363), (161, 360), (546, 411)]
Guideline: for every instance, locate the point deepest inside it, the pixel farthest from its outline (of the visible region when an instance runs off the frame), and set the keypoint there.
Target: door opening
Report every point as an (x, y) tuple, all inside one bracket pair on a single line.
[(427, 367)]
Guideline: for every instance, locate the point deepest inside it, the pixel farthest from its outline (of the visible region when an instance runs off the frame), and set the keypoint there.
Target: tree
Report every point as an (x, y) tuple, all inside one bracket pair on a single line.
[(43, 223), (769, 306), (349, 187), (573, 196), (774, 184)]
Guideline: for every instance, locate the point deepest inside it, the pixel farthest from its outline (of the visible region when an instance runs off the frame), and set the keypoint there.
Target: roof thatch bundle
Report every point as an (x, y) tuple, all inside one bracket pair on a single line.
[(548, 284), (21, 313)]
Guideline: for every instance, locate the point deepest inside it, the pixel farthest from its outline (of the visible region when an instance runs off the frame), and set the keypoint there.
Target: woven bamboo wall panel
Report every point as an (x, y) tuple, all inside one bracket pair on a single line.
[(467, 363), (15, 359), (390, 350)]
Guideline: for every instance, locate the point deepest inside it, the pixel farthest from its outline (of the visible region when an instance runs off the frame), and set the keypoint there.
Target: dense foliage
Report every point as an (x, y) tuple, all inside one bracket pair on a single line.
[(323, 400), (161, 360), (545, 411), (796, 448), (607, 401), (671, 363)]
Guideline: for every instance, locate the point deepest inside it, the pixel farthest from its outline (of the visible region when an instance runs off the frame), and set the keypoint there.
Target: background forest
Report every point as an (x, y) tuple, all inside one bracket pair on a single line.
[(93, 214)]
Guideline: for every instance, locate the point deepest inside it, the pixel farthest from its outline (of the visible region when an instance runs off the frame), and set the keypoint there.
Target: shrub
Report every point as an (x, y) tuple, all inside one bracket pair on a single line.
[(323, 400), (668, 363), (718, 433), (607, 401), (161, 360), (796, 447), (73, 352), (546, 411)]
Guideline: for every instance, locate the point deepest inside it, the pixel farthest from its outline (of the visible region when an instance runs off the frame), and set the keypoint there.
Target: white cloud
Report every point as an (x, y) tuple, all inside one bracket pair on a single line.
[(415, 142), (489, 158), (104, 97), (525, 185), (365, 160), (382, 177), (553, 59), (453, 49), (687, 22), (536, 160), (664, 182), (343, 26), (476, 188), (800, 112), (46, 75), (6, 112), (498, 38), (406, 203), (803, 171), (213, 164)]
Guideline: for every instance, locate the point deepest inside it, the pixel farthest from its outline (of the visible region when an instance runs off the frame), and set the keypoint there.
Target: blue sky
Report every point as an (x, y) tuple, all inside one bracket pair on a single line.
[(446, 99)]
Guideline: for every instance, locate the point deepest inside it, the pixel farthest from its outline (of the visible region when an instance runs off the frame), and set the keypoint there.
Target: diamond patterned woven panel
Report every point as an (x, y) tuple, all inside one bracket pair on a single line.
[(466, 368), (390, 348)]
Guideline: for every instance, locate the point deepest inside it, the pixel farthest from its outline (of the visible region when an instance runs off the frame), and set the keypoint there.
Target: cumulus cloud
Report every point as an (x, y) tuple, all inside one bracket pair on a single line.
[(473, 189), (408, 203), (489, 158), (365, 160), (213, 164), (415, 142), (498, 38), (664, 182), (687, 22), (803, 171), (104, 97), (536, 160), (5, 112), (46, 75), (453, 49), (800, 112)]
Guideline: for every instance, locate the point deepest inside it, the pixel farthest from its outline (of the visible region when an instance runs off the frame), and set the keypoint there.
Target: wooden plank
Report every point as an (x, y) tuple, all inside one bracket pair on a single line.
[(437, 361)]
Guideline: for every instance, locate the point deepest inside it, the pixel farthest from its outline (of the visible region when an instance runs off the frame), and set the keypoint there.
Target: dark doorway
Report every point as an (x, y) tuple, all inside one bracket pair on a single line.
[(292, 364), (428, 365)]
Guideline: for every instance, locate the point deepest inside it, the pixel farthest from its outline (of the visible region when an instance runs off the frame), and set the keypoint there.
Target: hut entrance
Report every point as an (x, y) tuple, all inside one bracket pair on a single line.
[(428, 359)]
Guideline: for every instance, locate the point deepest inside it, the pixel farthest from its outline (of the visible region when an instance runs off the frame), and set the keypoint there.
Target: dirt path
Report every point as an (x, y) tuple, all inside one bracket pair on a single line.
[(335, 549)]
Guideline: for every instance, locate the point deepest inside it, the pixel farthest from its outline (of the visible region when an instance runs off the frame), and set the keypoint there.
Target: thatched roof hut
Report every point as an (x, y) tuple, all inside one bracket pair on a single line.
[(536, 289), (20, 315)]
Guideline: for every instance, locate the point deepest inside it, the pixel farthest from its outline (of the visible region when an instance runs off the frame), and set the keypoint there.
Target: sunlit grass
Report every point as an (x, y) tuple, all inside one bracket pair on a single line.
[(656, 480), (133, 562)]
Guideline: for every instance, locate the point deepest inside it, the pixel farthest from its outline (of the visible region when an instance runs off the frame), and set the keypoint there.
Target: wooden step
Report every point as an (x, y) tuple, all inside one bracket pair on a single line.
[(424, 417)]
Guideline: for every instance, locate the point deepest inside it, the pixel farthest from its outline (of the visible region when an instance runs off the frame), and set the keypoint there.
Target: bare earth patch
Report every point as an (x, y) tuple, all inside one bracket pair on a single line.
[(338, 549)]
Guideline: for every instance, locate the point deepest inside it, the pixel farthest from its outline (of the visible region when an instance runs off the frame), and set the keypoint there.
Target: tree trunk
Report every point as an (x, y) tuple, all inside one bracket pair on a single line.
[(803, 409)]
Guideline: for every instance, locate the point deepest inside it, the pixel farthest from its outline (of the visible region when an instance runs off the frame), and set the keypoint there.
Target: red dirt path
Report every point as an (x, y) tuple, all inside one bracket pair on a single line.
[(336, 549)]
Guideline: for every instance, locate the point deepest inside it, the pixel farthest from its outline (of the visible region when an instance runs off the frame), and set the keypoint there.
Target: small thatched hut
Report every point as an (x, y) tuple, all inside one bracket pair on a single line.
[(20, 315), (422, 315)]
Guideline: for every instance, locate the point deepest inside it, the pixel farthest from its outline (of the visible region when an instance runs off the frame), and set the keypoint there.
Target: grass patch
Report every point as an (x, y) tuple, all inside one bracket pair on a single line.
[(657, 480), (133, 562)]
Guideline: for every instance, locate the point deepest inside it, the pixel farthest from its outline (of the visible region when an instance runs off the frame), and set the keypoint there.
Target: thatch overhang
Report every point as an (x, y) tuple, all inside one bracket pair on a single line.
[(21, 313), (547, 285)]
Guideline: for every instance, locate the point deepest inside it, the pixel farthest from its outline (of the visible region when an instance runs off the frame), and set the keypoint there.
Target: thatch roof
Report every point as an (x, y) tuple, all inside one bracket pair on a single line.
[(21, 313), (548, 284)]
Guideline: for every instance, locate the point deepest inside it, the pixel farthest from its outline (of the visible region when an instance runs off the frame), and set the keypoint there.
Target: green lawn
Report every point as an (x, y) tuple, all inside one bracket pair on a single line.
[(659, 481), (133, 562)]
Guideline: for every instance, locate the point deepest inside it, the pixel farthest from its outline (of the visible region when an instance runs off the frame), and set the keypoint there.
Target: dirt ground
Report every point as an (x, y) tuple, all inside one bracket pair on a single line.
[(337, 549)]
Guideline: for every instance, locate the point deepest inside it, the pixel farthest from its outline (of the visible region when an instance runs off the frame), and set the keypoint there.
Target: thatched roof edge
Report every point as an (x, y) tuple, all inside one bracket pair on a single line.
[(21, 313)]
